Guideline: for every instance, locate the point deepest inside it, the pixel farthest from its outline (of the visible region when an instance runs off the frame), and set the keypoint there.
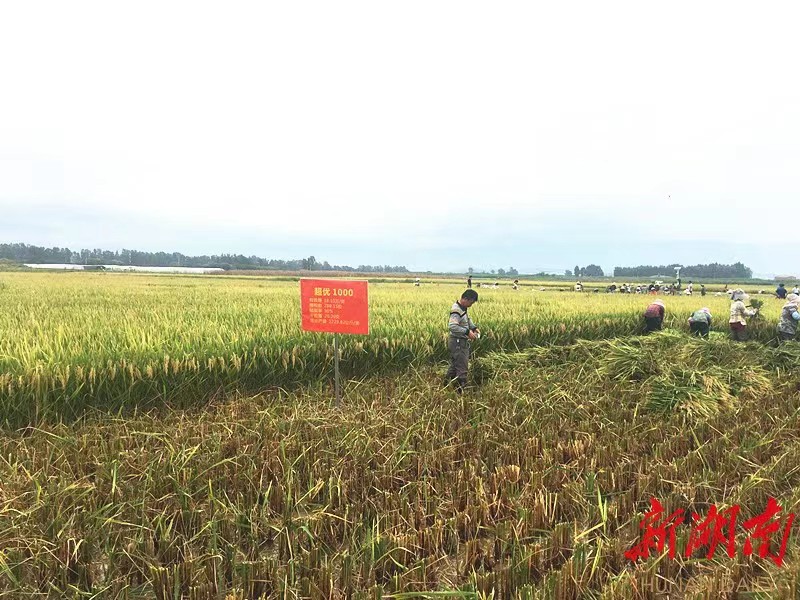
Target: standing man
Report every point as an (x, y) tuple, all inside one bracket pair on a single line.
[(780, 292), (702, 289), (462, 331), (469, 282)]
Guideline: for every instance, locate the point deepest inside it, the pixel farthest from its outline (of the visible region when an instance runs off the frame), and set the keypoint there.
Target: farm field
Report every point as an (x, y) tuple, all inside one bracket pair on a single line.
[(532, 486), (561, 284), (75, 341), (171, 437)]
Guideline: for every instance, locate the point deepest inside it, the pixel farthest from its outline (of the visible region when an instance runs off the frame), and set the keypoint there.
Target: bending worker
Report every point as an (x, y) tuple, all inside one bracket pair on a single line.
[(739, 312), (654, 316), (787, 325), (700, 322), (462, 330)]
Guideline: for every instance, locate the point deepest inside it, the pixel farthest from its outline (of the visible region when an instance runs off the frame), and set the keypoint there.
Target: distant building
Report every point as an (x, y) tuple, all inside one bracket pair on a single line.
[(183, 270), (55, 267), (130, 268)]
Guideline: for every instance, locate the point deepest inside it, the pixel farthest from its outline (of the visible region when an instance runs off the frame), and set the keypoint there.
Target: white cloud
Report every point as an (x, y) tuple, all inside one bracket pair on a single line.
[(388, 124)]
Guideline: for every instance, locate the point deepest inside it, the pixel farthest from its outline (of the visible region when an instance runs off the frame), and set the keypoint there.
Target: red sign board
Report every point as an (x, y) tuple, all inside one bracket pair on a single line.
[(334, 306)]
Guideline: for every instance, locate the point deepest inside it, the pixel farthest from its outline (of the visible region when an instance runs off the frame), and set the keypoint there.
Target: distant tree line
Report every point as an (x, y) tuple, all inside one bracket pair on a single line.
[(510, 272), (588, 271), (24, 253), (709, 271)]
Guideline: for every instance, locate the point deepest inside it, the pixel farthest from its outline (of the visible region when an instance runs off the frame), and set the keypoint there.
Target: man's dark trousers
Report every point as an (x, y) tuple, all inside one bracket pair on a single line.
[(459, 361)]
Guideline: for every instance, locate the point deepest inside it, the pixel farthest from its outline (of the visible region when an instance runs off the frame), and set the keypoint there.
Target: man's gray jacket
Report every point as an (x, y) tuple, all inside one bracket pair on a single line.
[(459, 324)]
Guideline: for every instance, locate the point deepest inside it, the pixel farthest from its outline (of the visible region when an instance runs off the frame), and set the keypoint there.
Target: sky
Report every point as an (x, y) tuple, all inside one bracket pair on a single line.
[(437, 135)]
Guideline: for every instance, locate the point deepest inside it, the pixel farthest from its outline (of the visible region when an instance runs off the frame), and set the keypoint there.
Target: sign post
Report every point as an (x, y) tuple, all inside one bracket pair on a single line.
[(335, 306), (336, 369)]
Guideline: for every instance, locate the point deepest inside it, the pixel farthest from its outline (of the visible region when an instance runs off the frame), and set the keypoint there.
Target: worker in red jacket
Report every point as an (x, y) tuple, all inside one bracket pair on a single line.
[(654, 316)]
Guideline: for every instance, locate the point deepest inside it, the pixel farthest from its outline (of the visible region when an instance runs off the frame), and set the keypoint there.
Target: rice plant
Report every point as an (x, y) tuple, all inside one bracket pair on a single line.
[(76, 341), (531, 486)]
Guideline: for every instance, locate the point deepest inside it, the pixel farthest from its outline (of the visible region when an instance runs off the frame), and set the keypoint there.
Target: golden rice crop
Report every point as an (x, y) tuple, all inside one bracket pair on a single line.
[(70, 341), (531, 486)]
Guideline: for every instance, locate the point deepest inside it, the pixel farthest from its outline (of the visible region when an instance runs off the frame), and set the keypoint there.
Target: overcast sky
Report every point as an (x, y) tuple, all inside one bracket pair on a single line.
[(439, 135)]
